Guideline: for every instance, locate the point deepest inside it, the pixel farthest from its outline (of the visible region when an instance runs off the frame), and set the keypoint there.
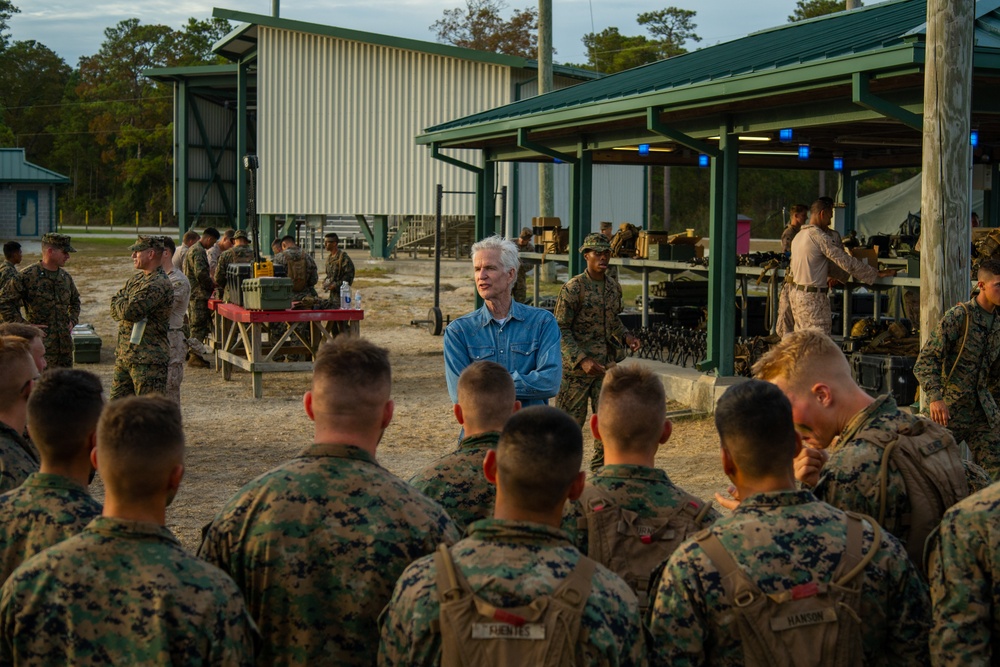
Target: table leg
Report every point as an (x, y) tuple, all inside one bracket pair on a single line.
[(255, 356)]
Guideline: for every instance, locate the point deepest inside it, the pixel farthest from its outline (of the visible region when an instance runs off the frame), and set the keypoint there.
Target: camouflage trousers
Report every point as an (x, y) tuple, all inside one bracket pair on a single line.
[(175, 366), (984, 443), (200, 318), (811, 310), (785, 324), (138, 379), (575, 393)]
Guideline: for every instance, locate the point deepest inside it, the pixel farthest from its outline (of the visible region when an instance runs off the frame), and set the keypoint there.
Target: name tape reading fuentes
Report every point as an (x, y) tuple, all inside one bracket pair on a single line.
[(828, 615), (507, 631)]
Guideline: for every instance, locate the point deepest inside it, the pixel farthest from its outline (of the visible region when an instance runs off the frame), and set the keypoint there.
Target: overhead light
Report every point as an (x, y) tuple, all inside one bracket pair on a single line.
[(778, 153), (838, 163), (785, 135), (803, 151), (649, 149), (746, 137), (643, 149), (974, 138), (702, 160), (870, 140)]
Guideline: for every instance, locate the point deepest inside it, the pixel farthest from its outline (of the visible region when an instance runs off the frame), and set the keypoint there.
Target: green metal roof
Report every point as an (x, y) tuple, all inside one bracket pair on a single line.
[(243, 39), (15, 169), (816, 40)]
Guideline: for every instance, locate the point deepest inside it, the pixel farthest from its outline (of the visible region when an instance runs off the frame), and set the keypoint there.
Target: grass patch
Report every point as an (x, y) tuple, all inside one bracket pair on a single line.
[(374, 271)]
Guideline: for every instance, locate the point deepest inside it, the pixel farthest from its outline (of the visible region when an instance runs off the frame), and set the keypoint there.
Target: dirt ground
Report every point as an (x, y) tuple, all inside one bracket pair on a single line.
[(233, 438)]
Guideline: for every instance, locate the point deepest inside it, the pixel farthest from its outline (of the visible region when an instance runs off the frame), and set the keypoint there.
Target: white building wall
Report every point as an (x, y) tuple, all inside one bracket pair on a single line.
[(618, 194), (337, 121)]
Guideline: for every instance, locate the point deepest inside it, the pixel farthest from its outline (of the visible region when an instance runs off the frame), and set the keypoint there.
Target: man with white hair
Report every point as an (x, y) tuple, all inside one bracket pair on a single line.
[(521, 338)]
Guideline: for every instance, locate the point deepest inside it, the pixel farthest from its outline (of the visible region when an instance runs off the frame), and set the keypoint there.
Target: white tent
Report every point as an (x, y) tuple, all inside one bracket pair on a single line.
[(883, 212)]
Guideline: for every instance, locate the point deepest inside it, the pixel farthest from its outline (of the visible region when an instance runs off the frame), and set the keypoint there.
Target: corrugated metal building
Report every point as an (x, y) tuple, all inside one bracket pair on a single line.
[(332, 114), (27, 196)]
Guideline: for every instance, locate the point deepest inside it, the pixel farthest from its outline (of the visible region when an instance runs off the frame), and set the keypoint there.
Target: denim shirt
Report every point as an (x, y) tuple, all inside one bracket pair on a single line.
[(527, 345)]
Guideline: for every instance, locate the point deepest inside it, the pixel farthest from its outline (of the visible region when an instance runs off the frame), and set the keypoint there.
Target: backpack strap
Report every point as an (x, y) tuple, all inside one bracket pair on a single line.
[(961, 348), (852, 557), (744, 591), (450, 587), (575, 588), (883, 478)]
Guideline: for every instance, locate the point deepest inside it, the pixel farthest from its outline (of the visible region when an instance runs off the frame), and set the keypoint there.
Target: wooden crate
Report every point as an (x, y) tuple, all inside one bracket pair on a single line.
[(646, 239)]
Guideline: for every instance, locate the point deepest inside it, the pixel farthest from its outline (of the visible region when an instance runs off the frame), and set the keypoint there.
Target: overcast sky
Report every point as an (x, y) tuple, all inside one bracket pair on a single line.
[(74, 28)]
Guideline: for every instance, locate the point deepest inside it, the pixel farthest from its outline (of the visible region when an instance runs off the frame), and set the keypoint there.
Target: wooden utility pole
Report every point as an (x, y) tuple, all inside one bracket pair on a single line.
[(546, 198), (945, 235), (853, 4)]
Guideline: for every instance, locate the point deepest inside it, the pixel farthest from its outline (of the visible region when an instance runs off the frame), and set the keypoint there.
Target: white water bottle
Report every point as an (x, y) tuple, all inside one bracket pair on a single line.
[(345, 295), (138, 329), (357, 300)]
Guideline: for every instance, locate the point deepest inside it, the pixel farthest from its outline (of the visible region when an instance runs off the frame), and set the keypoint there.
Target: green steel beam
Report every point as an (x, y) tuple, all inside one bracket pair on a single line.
[(653, 124), (242, 119), (993, 215), (581, 208), (181, 157), (438, 155), (849, 188), (860, 94), (722, 257), (524, 142)]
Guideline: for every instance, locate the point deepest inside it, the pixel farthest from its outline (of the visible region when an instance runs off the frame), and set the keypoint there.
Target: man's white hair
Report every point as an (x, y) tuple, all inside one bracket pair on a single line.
[(508, 251)]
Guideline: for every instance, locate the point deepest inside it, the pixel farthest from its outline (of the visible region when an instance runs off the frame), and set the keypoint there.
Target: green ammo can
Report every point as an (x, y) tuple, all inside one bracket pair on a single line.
[(267, 293), (86, 345)]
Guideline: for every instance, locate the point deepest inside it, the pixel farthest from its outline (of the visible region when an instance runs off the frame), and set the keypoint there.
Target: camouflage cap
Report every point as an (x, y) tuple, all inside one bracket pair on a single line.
[(606, 225), (527, 233), (147, 243), (59, 241), (240, 234), (595, 242)]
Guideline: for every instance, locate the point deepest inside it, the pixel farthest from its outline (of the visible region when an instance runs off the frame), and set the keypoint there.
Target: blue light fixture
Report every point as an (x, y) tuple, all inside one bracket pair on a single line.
[(643, 149), (803, 151), (838, 164), (974, 138), (785, 135), (702, 160)]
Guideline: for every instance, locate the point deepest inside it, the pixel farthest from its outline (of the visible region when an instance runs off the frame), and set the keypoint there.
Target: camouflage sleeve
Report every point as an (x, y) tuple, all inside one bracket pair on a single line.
[(835, 252), (405, 634), (235, 634), (677, 617), (571, 525), (567, 305), (144, 297), (907, 605), (617, 326), (74, 301), (222, 267), (313, 271), (850, 481), (348, 270), (962, 592), (929, 368), (10, 300), (199, 260)]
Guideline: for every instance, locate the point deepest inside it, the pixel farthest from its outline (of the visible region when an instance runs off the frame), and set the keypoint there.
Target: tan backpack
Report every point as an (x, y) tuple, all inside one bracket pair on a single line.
[(927, 457), (815, 624), (298, 271), (475, 633), (632, 547)]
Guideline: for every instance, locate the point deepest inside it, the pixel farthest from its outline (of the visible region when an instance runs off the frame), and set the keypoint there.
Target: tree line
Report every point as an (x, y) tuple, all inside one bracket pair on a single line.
[(109, 128), (102, 123)]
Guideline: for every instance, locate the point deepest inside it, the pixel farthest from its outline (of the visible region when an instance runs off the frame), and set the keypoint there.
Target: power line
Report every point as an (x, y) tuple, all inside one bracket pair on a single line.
[(73, 104)]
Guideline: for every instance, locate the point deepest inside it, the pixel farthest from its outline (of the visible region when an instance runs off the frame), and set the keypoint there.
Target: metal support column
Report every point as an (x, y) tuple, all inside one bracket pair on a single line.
[(242, 120), (181, 100), (722, 256), (849, 189), (992, 211), (580, 211), (486, 222)]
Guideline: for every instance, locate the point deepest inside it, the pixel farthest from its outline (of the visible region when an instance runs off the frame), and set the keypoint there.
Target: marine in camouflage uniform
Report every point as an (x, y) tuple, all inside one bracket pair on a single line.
[(8, 272), (49, 297), (587, 310), (524, 244), (967, 383), (18, 458), (511, 563), (122, 592), (965, 569), (294, 255), (316, 546), (241, 253), (784, 323), (198, 274), (781, 540), (141, 368), (646, 491), (850, 478), (339, 268), (176, 340), (456, 480), (43, 511)]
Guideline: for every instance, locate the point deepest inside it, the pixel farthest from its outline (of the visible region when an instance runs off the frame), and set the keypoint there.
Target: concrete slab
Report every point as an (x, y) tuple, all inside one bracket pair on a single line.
[(699, 391)]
